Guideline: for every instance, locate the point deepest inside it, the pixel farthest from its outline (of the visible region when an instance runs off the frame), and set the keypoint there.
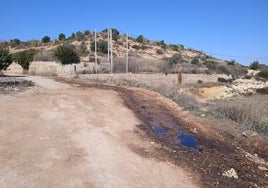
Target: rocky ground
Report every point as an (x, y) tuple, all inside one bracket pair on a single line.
[(14, 84)]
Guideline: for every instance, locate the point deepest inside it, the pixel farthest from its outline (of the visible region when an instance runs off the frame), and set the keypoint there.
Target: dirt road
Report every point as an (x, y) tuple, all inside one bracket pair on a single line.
[(60, 135)]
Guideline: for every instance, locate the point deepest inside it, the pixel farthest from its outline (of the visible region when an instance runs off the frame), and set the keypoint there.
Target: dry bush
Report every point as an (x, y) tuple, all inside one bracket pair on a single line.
[(246, 112), (171, 91), (43, 56), (137, 65)]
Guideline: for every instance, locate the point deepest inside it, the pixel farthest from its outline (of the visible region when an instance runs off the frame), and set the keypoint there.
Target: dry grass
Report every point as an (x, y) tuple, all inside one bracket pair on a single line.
[(251, 113)]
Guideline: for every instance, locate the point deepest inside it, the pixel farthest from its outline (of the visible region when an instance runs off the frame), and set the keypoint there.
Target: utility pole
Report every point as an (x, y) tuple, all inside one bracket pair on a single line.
[(108, 32), (111, 48), (126, 53), (96, 58)]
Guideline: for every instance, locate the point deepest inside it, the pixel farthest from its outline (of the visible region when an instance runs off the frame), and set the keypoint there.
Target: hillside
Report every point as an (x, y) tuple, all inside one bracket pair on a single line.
[(148, 55)]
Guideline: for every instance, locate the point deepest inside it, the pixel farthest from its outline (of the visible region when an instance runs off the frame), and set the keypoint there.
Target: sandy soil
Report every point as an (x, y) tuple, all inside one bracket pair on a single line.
[(63, 135)]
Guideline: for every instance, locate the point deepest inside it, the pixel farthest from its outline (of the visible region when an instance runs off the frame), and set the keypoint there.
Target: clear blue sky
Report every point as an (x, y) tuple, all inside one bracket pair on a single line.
[(237, 29)]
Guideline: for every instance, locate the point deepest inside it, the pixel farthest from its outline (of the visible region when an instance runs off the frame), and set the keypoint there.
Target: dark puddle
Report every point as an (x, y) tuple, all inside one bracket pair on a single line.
[(189, 141), (181, 138)]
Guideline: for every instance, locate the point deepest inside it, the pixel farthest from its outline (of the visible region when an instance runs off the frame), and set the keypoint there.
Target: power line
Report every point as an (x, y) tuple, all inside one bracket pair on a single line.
[(234, 56)]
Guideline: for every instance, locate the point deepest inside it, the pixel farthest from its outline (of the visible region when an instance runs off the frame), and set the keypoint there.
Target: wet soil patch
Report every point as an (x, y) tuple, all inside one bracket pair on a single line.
[(204, 155), (195, 151)]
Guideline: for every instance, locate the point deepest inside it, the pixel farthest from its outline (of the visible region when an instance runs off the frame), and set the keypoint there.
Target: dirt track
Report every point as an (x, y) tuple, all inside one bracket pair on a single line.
[(60, 135)]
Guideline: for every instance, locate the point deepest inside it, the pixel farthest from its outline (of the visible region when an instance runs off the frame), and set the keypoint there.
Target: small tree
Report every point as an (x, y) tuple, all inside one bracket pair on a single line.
[(195, 61), (80, 36), (175, 59), (62, 37), (87, 32), (5, 58), (24, 58), (15, 42), (140, 39), (46, 39), (254, 65), (83, 49), (102, 46), (66, 55)]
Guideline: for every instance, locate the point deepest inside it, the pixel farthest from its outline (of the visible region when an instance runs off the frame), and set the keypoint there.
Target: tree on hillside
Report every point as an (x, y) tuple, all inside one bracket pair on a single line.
[(15, 42), (140, 39), (46, 39), (83, 49), (102, 46), (24, 58), (66, 55), (87, 32), (115, 34), (80, 36), (5, 58), (195, 61), (61, 37), (254, 65)]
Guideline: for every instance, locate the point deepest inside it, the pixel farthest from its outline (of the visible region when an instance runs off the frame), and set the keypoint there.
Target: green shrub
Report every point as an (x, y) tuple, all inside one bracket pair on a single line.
[(212, 65), (232, 62), (223, 80), (66, 55), (83, 49), (200, 82), (262, 90), (24, 58), (140, 39), (195, 61), (159, 52), (137, 47), (223, 69), (87, 32), (263, 74), (62, 37), (115, 34), (162, 44), (175, 59), (46, 39), (14, 43), (80, 36), (254, 65), (261, 127), (5, 58), (144, 47), (102, 46), (174, 47)]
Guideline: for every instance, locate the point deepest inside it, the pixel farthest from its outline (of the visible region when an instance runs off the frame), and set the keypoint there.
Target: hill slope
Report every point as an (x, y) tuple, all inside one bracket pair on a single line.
[(150, 56)]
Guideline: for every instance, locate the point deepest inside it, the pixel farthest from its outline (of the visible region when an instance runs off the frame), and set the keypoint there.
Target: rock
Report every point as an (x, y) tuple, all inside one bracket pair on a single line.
[(195, 130), (203, 115), (262, 168), (249, 133), (255, 159), (230, 173)]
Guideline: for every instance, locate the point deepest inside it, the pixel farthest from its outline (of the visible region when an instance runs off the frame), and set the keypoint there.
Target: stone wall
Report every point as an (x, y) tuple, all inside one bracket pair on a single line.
[(52, 68), (14, 68), (156, 79)]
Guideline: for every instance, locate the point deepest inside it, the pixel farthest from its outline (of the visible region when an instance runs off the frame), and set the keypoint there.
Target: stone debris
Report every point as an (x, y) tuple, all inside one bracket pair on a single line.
[(262, 168), (255, 159), (249, 133), (230, 173)]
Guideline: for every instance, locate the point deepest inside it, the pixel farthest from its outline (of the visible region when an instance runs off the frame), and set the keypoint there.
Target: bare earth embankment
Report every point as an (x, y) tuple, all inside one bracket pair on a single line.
[(64, 135)]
